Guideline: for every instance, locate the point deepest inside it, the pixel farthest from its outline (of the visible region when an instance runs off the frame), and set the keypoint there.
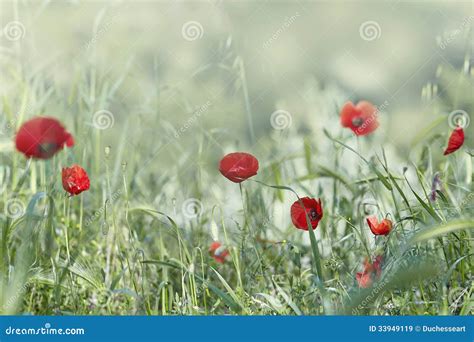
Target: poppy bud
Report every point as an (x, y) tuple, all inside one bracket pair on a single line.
[(75, 180)]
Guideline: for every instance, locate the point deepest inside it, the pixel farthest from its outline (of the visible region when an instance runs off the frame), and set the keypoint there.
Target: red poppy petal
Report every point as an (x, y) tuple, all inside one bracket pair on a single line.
[(298, 216), (219, 256), (384, 227), (368, 267), (219, 259), (238, 166), (42, 137), (311, 207), (70, 141), (75, 180), (215, 245), (372, 222), (367, 109), (348, 112), (456, 140), (362, 119), (364, 279), (369, 114)]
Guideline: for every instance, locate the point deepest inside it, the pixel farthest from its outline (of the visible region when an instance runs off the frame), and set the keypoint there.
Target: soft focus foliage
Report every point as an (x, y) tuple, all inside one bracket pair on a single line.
[(156, 93)]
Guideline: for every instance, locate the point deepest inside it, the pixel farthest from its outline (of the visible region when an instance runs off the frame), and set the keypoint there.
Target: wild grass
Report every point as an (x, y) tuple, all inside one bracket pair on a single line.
[(137, 242)]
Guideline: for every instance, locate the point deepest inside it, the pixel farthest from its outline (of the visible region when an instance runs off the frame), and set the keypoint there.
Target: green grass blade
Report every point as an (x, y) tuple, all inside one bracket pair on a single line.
[(433, 232)]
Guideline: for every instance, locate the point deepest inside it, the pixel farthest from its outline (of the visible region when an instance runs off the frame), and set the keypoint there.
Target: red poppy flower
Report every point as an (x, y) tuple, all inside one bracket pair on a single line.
[(382, 228), (312, 207), (455, 140), (371, 272), (218, 252), (42, 137), (75, 180), (238, 166), (361, 118)]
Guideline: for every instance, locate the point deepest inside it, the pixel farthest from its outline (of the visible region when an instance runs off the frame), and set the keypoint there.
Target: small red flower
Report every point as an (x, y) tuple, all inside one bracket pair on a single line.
[(218, 252), (238, 166), (312, 207), (361, 118), (42, 137), (371, 272), (364, 279), (382, 228), (455, 140), (75, 180)]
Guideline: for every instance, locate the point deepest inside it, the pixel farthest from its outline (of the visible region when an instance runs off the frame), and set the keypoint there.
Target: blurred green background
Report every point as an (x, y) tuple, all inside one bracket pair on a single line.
[(280, 53), (192, 80)]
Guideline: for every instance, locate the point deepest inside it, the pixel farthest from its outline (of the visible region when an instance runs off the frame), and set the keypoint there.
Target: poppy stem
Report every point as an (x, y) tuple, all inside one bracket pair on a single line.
[(314, 244), (245, 230), (66, 225), (316, 255), (359, 167), (243, 205), (312, 238)]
